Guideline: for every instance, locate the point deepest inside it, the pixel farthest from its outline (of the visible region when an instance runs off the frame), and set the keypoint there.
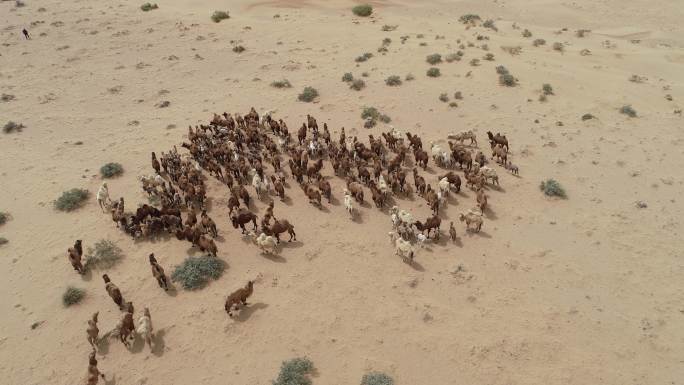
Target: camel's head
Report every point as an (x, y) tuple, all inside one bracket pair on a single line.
[(461, 217), (153, 260), (105, 277)]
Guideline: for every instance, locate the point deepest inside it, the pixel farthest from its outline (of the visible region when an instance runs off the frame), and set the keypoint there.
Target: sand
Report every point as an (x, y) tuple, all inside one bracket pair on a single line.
[(576, 291)]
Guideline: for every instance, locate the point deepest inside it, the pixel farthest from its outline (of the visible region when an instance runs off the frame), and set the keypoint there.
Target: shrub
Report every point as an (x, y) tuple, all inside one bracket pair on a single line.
[(508, 80), (370, 112), (629, 111), (11, 126), (587, 117), (558, 46), (384, 118), (294, 372), (527, 33), (376, 378), (195, 272), (489, 57), (239, 49), (6, 97), (369, 123), (103, 256), (393, 80), (453, 104), (434, 58), (364, 74), (281, 84), (386, 41), (538, 42), (111, 170), (444, 97), (489, 23), (363, 57), (357, 84), (423, 44), (19, 3), (469, 18), (3, 241), (501, 70), (547, 89), (4, 217), (148, 7), (434, 72), (512, 50), (363, 10), (308, 94), (389, 28), (542, 98), (409, 77), (347, 77), (217, 16), (72, 296), (452, 57), (458, 95), (581, 32), (552, 188), (475, 62), (71, 199)]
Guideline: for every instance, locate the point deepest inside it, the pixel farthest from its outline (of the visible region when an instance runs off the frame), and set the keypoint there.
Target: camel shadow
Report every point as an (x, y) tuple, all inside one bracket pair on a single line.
[(357, 218), (323, 208), (291, 245), (137, 345), (416, 266), (490, 214), (173, 291), (273, 257), (220, 239), (247, 311), (87, 276), (287, 201), (158, 342), (110, 382), (103, 346)]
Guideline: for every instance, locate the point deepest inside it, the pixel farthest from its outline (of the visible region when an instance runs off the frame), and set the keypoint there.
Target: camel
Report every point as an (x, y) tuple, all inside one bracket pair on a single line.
[(243, 217), (113, 291), (158, 273), (281, 226), (92, 331), (103, 197), (75, 253), (431, 223), (452, 232), (93, 372), (238, 298), (145, 327), (472, 220)]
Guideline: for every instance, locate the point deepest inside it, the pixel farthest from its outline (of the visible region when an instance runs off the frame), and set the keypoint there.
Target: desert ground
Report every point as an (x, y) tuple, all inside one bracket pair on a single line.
[(583, 290)]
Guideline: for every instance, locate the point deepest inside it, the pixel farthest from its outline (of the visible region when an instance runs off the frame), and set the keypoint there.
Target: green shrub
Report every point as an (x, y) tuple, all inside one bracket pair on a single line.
[(347, 77), (409, 77), (558, 46), (475, 62), (538, 42), (370, 112), (239, 49), (281, 84), (453, 104), (217, 16), (458, 95), (501, 70), (363, 57), (308, 94), (376, 378), (469, 18), (4, 217), (489, 57), (444, 97), (389, 28), (434, 72), (11, 126), (71, 199), (490, 24), (527, 33), (393, 80), (587, 117), (547, 89), (552, 188), (104, 255), (386, 41), (72, 296), (3, 241), (6, 97), (434, 58), (195, 272), (629, 111), (508, 80), (148, 6), (111, 170), (357, 84), (364, 74), (295, 372), (452, 57), (384, 118), (363, 10)]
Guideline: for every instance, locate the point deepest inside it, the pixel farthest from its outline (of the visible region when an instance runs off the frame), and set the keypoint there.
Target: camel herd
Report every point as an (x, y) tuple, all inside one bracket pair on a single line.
[(261, 152)]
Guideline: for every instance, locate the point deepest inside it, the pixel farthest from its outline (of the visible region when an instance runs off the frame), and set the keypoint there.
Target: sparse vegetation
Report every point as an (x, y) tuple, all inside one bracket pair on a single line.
[(458, 95), (508, 80), (239, 49), (489, 57), (489, 23), (629, 111), (281, 84), (526, 33), (149, 6), (434, 58), (552, 188), (444, 97), (194, 273), (452, 57), (347, 77), (71, 199), (19, 3), (364, 57), (104, 255), (374, 114), (547, 89), (11, 126), (587, 117), (4, 217), (582, 32), (558, 47), (376, 378), (308, 95), (501, 70), (434, 72), (512, 50), (363, 10), (474, 62), (386, 41), (453, 104), (111, 170), (364, 74), (6, 97), (409, 77), (393, 80), (637, 79), (357, 84), (295, 372), (72, 296), (538, 42), (3, 241), (469, 18), (217, 16), (389, 28)]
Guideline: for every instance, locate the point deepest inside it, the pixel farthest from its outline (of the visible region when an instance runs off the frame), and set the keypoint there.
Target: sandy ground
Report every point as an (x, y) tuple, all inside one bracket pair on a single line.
[(579, 291)]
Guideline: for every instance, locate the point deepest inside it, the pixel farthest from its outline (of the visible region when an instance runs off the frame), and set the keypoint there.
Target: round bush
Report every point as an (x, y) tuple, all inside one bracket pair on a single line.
[(71, 199), (217, 16), (376, 378), (393, 80), (552, 188), (194, 273), (308, 95), (111, 170), (363, 10), (72, 296), (434, 72)]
